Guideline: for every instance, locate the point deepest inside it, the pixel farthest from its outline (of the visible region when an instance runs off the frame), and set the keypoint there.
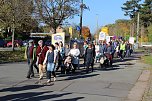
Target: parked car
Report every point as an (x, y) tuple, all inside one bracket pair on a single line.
[(25, 42), (2, 43), (9, 44), (17, 43), (48, 42)]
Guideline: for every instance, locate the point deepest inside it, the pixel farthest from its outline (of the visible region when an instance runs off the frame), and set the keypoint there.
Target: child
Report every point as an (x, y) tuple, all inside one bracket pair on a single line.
[(68, 63)]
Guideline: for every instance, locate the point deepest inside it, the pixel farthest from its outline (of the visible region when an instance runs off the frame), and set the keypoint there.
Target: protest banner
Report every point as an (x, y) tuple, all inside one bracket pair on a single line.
[(131, 40), (58, 37), (102, 36)]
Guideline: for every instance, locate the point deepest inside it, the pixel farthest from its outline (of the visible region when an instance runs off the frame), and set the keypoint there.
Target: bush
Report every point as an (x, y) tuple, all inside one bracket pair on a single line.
[(11, 56)]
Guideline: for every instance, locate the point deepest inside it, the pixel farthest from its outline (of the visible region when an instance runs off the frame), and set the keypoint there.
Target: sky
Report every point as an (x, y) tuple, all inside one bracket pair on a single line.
[(101, 11)]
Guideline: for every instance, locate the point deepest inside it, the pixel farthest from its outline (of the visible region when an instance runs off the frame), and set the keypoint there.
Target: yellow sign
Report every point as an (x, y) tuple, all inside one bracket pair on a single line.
[(105, 30), (70, 31), (58, 37)]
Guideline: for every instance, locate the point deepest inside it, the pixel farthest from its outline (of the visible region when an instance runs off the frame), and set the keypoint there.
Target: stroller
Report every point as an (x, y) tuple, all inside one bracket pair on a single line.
[(68, 64), (106, 61)]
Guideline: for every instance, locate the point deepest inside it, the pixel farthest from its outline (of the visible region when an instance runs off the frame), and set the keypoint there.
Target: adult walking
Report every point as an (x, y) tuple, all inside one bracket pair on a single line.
[(31, 57), (75, 52), (89, 54), (128, 48), (85, 46), (122, 50), (94, 54), (67, 50), (102, 47), (61, 56), (108, 52), (50, 60), (41, 52)]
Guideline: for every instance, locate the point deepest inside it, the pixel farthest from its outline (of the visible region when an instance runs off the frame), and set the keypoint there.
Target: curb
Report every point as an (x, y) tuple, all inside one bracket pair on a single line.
[(137, 92)]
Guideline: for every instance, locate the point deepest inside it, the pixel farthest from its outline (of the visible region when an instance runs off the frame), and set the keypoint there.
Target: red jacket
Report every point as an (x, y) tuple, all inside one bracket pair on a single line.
[(41, 52)]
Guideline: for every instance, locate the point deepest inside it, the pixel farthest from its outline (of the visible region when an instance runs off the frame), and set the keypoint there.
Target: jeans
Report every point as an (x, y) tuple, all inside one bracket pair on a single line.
[(122, 54), (49, 74), (74, 66), (127, 53), (30, 71)]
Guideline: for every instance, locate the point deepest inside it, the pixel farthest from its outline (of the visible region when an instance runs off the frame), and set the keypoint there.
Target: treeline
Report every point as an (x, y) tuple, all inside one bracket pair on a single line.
[(143, 10), (127, 28), (25, 16)]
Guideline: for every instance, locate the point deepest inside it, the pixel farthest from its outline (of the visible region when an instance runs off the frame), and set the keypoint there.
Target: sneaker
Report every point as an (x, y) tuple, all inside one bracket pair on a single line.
[(54, 79), (48, 81), (32, 75), (40, 78), (28, 77)]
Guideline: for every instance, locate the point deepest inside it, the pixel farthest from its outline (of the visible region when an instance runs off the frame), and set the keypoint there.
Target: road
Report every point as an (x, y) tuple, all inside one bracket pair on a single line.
[(101, 85)]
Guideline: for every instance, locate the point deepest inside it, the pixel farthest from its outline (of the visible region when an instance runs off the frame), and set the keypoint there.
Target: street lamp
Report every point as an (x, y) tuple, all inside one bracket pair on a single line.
[(97, 21)]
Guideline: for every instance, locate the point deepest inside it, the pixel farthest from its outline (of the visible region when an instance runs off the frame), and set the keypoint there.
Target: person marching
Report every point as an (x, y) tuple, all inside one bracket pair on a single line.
[(31, 57), (128, 48), (85, 46), (108, 52), (75, 52), (122, 50), (41, 52), (61, 57), (67, 50), (50, 60), (89, 54)]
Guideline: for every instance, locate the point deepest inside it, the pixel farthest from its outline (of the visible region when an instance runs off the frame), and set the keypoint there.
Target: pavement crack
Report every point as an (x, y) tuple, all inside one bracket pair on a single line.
[(19, 83), (109, 85), (67, 86)]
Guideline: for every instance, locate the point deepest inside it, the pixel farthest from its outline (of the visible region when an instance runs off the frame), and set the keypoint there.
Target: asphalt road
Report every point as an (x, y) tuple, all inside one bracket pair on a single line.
[(100, 85)]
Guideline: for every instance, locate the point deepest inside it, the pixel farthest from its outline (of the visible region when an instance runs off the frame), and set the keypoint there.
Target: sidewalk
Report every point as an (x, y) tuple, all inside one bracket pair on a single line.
[(110, 85)]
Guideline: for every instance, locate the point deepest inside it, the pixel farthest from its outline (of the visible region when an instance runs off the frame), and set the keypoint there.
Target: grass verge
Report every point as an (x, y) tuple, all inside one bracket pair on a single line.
[(147, 59), (12, 56)]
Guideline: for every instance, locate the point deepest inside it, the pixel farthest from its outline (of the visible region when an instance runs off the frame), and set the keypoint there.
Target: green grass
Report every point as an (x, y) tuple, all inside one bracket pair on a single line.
[(147, 59), (12, 56)]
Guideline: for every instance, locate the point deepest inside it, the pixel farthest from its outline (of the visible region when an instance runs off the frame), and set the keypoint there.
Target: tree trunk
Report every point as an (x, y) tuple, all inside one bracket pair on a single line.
[(142, 33)]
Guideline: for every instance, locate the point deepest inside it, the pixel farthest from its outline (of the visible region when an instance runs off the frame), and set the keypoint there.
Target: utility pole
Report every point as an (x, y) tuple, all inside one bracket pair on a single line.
[(97, 26), (81, 14), (13, 32), (137, 37), (13, 24), (97, 22)]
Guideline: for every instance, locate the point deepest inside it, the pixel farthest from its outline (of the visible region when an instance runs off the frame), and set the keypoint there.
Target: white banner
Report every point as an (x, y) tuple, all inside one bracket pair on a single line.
[(131, 40), (58, 37), (102, 36), (108, 39)]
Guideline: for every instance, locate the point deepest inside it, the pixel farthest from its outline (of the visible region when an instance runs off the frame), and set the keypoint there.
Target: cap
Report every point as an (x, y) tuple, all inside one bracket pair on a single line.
[(30, 41)]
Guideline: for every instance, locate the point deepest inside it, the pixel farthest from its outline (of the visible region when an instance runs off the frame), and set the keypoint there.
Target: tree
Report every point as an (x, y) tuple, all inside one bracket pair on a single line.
[(150, 33), (86, 32), (121, 27), (21, 10), (15, 13), (146, 13), (54, 12), (131, 8)]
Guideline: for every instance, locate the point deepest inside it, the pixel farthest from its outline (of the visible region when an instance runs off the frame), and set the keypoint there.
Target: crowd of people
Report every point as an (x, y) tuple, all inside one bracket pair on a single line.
[(52, 58)]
